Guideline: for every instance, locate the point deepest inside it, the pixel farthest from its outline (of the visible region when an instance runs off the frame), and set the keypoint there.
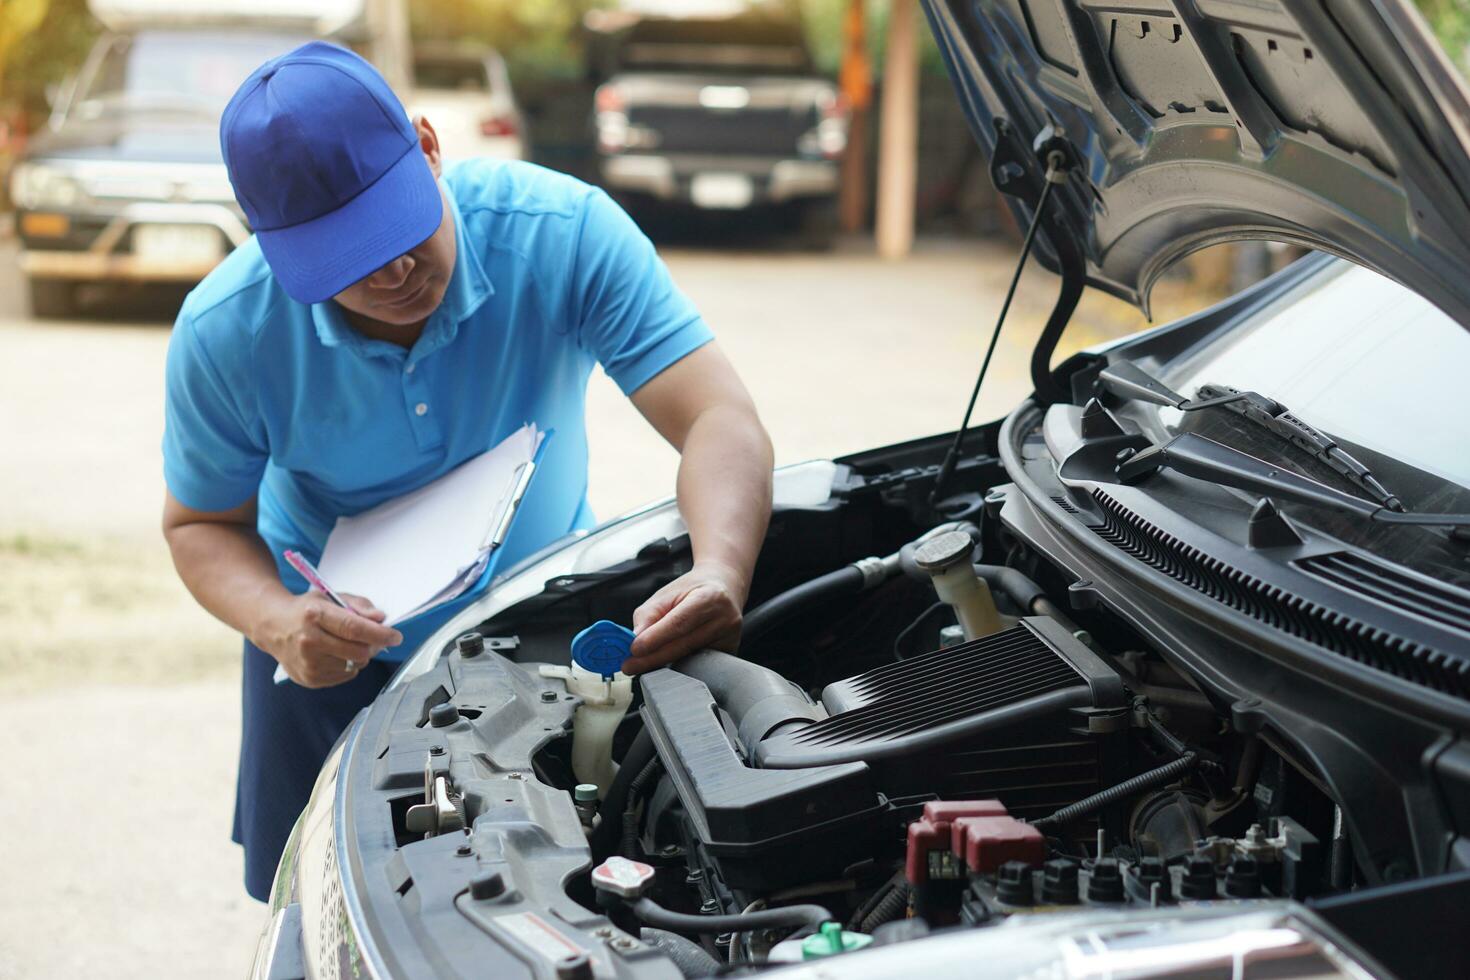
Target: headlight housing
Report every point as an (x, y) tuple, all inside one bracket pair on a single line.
[(37, 185)]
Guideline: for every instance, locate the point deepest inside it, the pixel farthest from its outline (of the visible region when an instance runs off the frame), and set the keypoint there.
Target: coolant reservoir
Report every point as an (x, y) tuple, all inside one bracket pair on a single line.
[(947, 559), (597, 654)]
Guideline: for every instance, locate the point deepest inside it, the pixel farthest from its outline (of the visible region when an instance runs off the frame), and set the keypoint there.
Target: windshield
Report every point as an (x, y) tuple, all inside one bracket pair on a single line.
[(179, 71), (1360, 357)]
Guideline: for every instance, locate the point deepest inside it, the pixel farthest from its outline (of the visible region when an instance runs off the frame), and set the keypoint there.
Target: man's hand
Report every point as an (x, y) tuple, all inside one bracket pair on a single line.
[(319, 643), (699, 609), (699, 405)]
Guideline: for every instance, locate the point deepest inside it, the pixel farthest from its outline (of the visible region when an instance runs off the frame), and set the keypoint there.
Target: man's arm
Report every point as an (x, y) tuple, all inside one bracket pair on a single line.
[(229, 570), (724, 487)]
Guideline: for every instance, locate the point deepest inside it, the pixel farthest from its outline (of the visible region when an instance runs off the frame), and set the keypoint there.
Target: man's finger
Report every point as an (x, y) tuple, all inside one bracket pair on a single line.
[(654, 609), (358, 629), (364, 607), (677, 648), (323, 646), (689, 626), (699, 606)]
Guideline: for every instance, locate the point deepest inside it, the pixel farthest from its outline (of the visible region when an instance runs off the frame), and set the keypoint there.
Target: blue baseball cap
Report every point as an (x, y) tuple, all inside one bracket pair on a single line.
[(327, 167)]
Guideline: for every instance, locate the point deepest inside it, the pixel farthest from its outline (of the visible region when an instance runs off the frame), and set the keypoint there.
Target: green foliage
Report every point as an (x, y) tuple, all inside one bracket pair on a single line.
[(1450, 20), (41, 41), (538, 38)]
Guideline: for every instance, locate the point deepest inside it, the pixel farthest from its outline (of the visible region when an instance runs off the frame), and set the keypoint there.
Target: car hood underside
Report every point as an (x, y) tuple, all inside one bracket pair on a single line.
[(1334, 125)]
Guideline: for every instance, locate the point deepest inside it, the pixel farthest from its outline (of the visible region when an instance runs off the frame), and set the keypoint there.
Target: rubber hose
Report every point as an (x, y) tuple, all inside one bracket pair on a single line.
[(692, 959), (844, 581), (607, 833), (788, 916), (1013, 582), (871, 902), (759, 699), (1123, 790), (893, 905), (630, 814)]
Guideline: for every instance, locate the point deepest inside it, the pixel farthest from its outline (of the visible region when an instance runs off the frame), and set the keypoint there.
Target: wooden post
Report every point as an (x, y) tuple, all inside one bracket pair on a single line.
[(898, 145), (388, 42), (856, 82)]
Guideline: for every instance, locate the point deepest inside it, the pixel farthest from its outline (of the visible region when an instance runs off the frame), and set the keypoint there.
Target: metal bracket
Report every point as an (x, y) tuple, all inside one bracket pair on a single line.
[(440, 812)]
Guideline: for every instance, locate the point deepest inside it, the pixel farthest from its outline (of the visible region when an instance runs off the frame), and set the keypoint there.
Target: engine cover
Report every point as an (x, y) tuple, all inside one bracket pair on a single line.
[(1026, 716)]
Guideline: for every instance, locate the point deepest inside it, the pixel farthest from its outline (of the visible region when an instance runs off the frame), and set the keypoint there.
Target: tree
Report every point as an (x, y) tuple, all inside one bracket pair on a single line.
[(40, 42)]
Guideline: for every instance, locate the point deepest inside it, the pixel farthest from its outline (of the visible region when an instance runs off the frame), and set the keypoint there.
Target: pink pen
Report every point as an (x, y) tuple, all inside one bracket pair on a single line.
[(313, 578)]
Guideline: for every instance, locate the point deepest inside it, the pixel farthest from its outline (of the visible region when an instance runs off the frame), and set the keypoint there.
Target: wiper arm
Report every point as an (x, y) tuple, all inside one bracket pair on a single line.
[(1128, 381), (1207, 459), (1275, 417)]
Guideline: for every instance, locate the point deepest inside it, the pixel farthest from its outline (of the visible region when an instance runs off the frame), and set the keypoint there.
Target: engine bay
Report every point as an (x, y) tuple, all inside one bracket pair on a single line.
[(926, 728)]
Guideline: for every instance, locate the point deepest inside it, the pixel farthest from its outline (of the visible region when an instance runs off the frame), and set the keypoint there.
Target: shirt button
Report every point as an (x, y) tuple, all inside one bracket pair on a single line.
[(421, 409), (409, 370)]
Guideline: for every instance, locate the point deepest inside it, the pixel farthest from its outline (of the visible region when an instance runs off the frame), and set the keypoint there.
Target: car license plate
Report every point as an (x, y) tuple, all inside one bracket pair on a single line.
[(722, 191), (177, 243)]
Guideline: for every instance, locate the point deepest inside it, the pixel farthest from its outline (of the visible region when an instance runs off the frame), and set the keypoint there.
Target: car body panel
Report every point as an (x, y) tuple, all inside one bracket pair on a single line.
[(465, 93)]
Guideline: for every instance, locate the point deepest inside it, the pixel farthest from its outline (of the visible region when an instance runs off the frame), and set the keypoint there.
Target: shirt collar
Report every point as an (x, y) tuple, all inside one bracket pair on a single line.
[(468, 288)]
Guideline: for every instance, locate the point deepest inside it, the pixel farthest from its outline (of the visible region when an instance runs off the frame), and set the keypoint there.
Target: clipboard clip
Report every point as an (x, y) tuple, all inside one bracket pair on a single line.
[(500, 526)]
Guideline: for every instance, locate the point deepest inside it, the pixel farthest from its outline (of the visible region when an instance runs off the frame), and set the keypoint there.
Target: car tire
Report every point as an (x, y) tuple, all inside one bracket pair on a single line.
[(53, 299)]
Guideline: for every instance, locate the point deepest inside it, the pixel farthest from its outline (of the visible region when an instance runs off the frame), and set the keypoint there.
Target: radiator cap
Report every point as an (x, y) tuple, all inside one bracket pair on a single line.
[(621, 877)]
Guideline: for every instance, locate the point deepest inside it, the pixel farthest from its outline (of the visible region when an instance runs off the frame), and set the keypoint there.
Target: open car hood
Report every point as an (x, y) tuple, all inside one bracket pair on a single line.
[(1333, 124)]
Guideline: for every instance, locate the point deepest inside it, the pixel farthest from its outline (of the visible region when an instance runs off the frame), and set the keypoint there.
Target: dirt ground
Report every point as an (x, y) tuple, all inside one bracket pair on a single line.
[(119, 710)]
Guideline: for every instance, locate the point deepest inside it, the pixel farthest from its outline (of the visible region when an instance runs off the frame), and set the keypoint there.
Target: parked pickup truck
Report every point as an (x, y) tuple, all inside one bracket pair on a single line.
[(718, 113)]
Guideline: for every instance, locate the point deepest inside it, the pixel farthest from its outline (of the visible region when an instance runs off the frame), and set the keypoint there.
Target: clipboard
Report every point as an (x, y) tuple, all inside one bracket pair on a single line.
[(475, 576)]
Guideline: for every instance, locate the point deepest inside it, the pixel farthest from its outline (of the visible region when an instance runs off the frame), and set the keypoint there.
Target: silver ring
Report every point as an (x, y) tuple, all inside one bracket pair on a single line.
[(350, 666)]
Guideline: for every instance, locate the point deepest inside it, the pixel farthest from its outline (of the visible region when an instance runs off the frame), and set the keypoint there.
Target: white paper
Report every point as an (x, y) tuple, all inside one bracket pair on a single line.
[(428, 546)]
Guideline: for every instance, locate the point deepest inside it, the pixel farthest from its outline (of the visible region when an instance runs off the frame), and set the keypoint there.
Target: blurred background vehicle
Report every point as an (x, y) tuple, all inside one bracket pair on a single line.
[(127, 183), (464, 91), (719, 111)]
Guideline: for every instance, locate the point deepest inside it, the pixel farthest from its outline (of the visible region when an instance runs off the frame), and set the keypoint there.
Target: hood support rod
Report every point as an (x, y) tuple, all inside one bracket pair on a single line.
[(1012, 173)]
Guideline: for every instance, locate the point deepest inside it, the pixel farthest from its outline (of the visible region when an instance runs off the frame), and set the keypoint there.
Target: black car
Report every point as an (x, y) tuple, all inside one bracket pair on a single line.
[(1167, 673), (718, 114), (127, 184)]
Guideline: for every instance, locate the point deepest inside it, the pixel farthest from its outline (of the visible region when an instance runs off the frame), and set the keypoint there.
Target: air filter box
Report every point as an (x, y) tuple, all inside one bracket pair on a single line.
[(1028, 716)]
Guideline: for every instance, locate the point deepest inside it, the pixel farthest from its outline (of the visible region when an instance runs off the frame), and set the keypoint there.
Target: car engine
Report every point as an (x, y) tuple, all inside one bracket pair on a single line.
[(914, 736)]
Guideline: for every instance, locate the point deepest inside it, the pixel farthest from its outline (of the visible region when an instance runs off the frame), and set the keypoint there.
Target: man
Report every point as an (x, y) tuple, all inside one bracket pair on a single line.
[(385, 325)]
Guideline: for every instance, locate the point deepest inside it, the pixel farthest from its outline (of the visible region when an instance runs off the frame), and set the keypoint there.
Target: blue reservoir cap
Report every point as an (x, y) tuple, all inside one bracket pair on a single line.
[(602, 648)]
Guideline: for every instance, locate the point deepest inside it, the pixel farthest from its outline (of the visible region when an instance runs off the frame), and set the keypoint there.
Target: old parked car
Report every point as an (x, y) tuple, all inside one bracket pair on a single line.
[(1165, 674), (464, 90), (127, 184), (721, 113)]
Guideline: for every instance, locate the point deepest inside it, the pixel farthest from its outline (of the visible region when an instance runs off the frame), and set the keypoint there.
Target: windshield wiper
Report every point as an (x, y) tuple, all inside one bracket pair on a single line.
[(1207, 459), (1127, 380)]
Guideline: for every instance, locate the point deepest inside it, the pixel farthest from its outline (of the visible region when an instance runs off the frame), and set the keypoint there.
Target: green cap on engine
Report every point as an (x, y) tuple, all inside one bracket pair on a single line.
[(832, 939)]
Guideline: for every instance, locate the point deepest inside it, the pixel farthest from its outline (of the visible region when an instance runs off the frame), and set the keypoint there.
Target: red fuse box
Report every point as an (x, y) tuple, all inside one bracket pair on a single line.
[(934, 834), (987, 842)]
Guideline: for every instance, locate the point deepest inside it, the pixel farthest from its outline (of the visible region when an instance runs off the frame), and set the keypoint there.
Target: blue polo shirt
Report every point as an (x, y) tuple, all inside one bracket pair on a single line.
[(285, 402)]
